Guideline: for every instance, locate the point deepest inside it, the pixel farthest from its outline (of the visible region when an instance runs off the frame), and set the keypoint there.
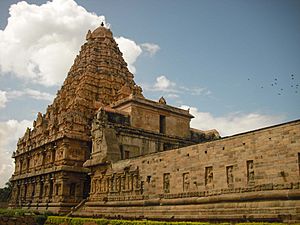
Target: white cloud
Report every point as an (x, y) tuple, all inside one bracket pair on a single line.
[(10, 131), (31, 93), (35, 94), (171, 95), (164, 84), (150, 48), (3, 99), (130, 50), (41, 42), (231, 124)]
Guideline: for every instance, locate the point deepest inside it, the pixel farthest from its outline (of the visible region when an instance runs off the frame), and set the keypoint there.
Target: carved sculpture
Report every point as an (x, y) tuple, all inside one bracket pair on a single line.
[(186, 181), (209, 175), (250, 171), (166, 182), (229, 172)]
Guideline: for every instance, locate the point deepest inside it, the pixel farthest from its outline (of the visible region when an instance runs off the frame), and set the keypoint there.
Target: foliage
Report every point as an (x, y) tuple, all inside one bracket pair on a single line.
[(40, 217), (15, 212), (5, 192)]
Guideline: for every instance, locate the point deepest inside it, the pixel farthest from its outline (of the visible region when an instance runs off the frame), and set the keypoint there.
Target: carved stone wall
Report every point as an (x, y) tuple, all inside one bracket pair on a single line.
[(248, 176), (115, 138)]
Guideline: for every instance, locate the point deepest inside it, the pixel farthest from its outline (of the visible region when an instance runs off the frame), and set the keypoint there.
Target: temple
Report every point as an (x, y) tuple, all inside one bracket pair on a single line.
[(103, 149)]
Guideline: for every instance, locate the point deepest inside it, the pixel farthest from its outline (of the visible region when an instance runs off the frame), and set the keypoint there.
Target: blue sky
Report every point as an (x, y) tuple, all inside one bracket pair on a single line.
[(235, 64)]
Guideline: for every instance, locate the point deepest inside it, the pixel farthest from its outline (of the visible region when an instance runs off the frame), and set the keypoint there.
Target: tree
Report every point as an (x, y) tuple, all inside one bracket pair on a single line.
[(5, 192)]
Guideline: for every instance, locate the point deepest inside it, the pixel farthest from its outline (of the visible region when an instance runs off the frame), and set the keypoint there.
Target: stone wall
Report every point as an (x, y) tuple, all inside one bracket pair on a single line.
[(148, 115), (252, 175)]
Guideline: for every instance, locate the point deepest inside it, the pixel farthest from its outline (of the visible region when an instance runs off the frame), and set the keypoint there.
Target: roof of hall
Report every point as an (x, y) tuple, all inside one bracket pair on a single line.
[(153, 104)]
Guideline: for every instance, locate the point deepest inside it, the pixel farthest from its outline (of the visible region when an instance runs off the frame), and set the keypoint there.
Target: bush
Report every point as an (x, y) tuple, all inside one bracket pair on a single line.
[(40, 219), (15, 212)]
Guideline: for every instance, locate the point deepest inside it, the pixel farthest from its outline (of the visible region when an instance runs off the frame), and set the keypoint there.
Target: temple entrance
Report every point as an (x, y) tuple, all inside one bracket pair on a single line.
[(86, 187)]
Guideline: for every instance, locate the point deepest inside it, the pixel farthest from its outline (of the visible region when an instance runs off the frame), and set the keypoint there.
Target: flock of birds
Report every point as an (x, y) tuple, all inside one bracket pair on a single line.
[(293, 86)]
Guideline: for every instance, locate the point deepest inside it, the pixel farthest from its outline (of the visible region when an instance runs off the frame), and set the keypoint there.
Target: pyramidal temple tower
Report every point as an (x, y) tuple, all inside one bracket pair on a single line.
[(49, 157), (99, 117)]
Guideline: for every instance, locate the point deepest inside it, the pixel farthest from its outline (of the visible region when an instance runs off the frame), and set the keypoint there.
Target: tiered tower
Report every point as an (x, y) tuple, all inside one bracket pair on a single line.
[(49, 157)]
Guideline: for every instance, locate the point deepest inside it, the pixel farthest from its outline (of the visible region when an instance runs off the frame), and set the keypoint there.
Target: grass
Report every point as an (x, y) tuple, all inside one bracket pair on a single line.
[(57, 220), (47, 218)]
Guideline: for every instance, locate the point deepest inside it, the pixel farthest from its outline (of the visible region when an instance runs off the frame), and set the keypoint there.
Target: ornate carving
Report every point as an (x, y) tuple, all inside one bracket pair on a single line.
[(166, 182), (250, 171), (162, 100), (229, 175), (186, 181), (209, 175)]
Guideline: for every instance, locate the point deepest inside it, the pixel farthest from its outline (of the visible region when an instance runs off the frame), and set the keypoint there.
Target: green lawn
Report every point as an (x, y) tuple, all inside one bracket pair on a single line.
[(56, 220)]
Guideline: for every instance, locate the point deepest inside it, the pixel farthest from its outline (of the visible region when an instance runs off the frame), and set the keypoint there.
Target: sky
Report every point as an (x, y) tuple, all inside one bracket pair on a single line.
[(234, 64)]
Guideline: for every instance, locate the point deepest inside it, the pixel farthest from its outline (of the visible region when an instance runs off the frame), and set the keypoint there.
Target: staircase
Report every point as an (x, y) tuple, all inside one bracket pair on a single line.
[(74, 209)]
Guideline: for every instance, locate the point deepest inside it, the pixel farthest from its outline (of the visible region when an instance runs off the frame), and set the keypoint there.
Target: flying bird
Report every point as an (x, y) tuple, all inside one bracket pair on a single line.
[(280, 86)]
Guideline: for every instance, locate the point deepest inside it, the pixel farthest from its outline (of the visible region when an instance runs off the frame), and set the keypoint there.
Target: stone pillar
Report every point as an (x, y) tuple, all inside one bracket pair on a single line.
[(101, 185), (29, 190), (37, 189), (20, 166), (111, 182), (118, 183), (46, 190), (65, 190), (51, 188), (25, 190), (28, 160), (123, 182), (108, 184), (18, 195), (98, 186), (43, 158), (79, 190), (48, 187), (93, 187), (41, 189), (58, 191), (21, 193)]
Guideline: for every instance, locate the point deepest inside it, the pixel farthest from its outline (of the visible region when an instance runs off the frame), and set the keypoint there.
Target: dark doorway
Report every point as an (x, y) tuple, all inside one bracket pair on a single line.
[(86, 187), (162, 124)]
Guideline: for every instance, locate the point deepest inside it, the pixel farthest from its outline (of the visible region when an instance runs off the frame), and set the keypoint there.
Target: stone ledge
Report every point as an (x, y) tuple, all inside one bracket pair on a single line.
[(244, 197), (51, 170)]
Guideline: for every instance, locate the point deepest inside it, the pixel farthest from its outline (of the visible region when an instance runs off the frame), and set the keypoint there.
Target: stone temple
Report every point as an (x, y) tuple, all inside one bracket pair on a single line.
[(103, 149)]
